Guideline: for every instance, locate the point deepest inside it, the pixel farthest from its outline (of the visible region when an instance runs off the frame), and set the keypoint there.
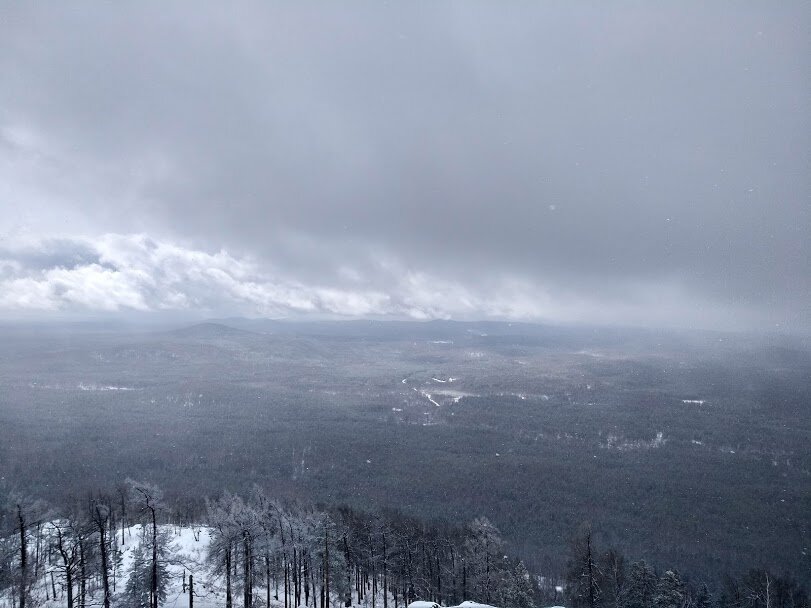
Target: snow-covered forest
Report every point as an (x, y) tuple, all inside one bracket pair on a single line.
[(128, 548)]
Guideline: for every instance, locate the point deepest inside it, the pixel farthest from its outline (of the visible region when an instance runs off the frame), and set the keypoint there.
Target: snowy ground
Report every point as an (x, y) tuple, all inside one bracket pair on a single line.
[(188, 548)]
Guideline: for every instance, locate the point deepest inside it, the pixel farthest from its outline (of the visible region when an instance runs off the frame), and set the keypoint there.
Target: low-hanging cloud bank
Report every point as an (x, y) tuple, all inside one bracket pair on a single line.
[(115, 273)]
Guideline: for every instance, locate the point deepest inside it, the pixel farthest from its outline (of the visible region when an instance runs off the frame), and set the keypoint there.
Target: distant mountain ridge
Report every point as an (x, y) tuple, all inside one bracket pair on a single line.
[(211, 330)]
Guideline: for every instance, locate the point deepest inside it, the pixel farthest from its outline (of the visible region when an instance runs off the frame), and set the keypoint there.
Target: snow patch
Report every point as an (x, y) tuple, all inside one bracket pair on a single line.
[(614, 442), (455, 395), (469, 604), (95, 387), (426, 395)]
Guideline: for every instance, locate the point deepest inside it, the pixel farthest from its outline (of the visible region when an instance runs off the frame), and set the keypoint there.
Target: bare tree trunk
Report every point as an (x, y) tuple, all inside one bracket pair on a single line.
[(296, 596), (306, 577), (464, 579), (23, 557), (385, 575), (348, 562), (228, 603), (68, 565), (267, 580), (487, 580), (123, 515), (154, 559), (105, 580), (69, 584), (299, 580), (191, 591), (438, 581), (314, 586), (326, 565), (82, 575), (111, 522), (286, 582), (455, 588), (36, 555), (246, 567), (592, 598)]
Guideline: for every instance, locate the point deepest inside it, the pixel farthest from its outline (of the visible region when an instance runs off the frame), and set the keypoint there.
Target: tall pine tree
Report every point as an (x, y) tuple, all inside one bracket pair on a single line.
[(640, 586), (670, 592)]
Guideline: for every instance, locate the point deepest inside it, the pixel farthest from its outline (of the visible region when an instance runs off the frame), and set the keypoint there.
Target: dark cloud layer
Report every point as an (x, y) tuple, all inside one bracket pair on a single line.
[(649, 161)]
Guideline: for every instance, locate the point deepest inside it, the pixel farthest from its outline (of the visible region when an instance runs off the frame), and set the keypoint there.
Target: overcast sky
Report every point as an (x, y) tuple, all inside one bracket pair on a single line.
[(623, 163)]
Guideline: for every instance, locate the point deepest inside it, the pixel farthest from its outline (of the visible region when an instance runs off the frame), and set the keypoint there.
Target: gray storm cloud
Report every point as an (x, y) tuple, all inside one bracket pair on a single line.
[(562, 162), (115, 273)]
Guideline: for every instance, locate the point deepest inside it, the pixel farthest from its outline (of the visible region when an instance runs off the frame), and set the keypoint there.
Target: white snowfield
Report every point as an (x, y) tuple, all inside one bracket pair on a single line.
[(466, 604)]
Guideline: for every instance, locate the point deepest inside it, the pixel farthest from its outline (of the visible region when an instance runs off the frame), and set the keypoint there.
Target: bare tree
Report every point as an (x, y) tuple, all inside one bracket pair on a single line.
[(224, 538), (27, 512), (101, 515), (123, 491), (66, 543), (149, 498)]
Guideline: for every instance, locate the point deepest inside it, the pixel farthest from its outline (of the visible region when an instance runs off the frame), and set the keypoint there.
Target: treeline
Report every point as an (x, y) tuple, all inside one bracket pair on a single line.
[(603, 578), (262, 551), (304, 554)]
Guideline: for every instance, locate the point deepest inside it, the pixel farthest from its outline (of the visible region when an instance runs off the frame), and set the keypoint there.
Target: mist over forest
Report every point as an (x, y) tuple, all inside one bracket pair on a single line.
[(673, 446)]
